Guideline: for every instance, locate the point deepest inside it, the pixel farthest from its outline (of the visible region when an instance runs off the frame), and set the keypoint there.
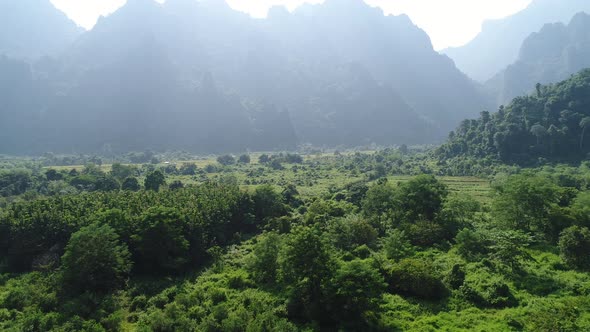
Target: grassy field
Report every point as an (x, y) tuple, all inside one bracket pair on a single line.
[(319, 175), (478, 188)]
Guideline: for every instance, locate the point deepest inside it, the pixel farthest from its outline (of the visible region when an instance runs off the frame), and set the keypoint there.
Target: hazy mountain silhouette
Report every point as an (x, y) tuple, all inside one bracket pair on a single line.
[(34, 28), (499, 42), (549, 56), (201, 76)]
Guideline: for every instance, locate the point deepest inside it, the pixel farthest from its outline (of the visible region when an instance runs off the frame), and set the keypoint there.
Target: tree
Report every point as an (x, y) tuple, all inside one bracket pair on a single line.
[(524, 202), (397, 245), (188, 169), (276, 164), (264, 263), (244, 159), (268, 203), (121, 172), (131, 184), (357, 287), (107, 183), (509, 247), (584, 124), (403, 149), (351, 232), (154, 180), (581, 208), (159, 243), (226, 160), (95, 261), (574, 245), (420, 198), (306, 266), (291, 195), (379, 200), (53, 175), (263, 159)]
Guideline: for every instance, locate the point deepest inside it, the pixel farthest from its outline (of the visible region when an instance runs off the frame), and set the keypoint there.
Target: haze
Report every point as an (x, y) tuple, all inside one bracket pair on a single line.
[(448, 23)]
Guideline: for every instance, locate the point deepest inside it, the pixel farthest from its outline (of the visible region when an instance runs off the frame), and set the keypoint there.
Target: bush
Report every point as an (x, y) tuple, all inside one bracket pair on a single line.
[(415, 277), (425, 233), (574, 246), (487, 290), (154, 180), (471, 245)]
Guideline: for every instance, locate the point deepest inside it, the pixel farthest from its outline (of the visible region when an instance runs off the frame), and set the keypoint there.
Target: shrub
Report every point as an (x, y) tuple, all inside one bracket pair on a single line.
[(574, 246), (486, 290), (415, 277)]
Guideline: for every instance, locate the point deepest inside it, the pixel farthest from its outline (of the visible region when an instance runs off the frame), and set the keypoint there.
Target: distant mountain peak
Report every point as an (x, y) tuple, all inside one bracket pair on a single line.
[(499, 42), (552, 54), (34, 28), (580, 18)]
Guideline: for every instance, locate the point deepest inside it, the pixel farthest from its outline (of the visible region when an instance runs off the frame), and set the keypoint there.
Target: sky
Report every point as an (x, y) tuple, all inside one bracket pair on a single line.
[(449, 23)]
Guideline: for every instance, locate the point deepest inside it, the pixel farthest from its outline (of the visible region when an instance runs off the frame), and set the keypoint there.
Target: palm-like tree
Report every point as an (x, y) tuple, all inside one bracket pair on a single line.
[(585, 123)]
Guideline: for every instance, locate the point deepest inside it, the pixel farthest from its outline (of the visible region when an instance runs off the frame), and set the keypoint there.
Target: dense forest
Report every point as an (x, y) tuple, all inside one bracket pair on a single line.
[(549, 125), (284, 242)]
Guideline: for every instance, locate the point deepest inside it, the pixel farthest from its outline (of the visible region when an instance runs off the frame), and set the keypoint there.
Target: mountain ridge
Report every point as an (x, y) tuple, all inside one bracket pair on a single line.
[(499, 42), (547, 56)]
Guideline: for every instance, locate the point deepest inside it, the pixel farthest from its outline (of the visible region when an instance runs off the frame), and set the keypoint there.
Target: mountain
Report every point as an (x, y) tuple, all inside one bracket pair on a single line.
[(201, 76), (499, 42), (553, 124), (393, 50), (551, 55), (34, 28)]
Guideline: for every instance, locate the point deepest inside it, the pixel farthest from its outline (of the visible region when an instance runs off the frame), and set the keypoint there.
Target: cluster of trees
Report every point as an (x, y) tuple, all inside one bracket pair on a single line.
[(165, 230), (551, 124), (33, 182)]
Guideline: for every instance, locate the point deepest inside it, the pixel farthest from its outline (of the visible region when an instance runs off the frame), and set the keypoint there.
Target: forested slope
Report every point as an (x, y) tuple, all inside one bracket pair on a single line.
[(551, 124)]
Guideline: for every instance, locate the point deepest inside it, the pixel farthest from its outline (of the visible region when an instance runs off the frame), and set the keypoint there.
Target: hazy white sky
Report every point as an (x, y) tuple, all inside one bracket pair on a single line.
[(448, 22)]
